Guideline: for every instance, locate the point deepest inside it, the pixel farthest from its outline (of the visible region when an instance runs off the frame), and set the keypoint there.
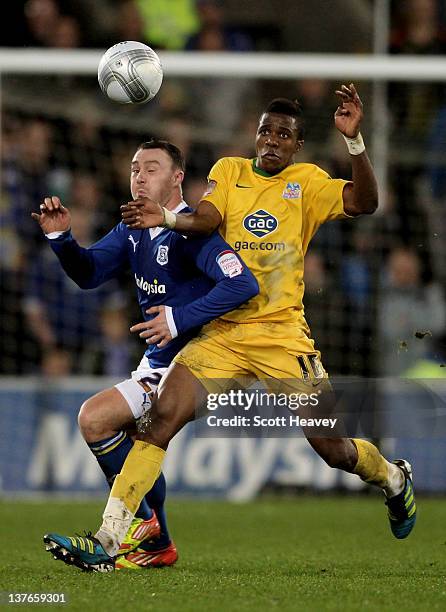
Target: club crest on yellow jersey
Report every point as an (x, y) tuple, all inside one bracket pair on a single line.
[(261, 223), (292, 191)]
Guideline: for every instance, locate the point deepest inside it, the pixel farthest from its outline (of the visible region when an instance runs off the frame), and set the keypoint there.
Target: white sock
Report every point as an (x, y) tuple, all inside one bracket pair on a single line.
[(396, 480), (115, 524)]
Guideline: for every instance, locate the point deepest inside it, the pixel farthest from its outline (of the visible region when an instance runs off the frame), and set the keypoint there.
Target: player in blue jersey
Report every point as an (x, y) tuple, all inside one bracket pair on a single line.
[(181, 284)]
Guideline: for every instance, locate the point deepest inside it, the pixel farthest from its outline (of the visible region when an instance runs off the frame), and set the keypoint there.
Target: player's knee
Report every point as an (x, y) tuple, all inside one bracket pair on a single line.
[(89, 421), (84, 419), (165, 422)]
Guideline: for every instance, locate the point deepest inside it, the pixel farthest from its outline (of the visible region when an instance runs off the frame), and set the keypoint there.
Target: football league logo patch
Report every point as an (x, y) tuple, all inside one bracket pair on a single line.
[(229, 263), (292, 191), (261, 223), (162, 257)]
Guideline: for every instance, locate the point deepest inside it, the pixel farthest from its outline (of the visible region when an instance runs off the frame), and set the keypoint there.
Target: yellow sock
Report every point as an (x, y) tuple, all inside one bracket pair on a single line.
[(139, 472), (372, 467)]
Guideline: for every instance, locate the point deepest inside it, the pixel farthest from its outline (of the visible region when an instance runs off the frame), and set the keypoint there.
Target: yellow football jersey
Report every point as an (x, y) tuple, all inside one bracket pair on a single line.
[(270, 221)]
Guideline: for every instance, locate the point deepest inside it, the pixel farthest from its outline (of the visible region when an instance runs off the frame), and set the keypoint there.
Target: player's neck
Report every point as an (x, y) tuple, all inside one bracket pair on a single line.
[(174, 201)]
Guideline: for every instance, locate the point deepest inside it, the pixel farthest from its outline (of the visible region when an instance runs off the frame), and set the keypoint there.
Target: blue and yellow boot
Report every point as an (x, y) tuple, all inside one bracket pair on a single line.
[(402, 509), (85, 552)]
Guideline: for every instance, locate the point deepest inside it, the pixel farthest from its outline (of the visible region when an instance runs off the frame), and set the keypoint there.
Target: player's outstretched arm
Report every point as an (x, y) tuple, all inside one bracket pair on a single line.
[(144, 213), (88, 268), (53, 217), (361, 197)]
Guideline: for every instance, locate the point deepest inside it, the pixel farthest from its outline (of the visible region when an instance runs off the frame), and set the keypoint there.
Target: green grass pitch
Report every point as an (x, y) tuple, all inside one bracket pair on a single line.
[(304, 553)]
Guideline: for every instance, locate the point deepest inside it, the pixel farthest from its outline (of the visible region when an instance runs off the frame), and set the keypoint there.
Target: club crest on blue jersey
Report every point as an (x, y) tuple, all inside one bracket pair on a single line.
[(162, 256), (261, 223), (292, 191)]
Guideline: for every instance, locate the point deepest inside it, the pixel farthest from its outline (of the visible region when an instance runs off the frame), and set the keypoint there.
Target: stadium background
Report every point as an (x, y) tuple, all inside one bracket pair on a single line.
[(375, 288)]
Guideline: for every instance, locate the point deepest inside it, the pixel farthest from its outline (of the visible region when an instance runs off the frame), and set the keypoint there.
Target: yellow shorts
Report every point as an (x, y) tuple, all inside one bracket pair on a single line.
[(264, 351)]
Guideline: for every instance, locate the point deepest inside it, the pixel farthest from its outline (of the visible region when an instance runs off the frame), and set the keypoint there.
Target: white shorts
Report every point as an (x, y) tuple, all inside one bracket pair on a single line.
[(134, 394)]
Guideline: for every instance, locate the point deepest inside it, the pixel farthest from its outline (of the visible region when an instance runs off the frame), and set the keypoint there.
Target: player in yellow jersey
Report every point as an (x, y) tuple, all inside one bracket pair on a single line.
[(268, 208)]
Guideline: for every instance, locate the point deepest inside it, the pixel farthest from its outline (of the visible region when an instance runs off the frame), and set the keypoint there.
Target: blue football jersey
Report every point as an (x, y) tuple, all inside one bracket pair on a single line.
[(199, 278)]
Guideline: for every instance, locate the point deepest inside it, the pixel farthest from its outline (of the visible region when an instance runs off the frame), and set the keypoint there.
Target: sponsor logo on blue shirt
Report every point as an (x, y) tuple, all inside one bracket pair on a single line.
[(149, 288)]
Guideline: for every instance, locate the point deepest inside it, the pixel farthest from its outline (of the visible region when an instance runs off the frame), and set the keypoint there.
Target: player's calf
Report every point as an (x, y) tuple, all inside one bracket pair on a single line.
[(338, 453)]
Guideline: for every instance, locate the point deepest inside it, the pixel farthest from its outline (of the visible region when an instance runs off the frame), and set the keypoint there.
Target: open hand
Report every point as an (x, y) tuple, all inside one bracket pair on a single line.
[(156, 331), (142, 213), (349, 113), (54, 217)]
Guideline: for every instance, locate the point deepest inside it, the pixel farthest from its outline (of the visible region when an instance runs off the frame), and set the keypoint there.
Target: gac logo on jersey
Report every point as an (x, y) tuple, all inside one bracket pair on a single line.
[(150, 288), (162, 256), (261, 223), (292, 191)]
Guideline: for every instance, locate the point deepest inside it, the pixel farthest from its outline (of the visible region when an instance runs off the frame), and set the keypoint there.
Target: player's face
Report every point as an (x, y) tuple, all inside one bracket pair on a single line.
[(154, 176), (276, 142)]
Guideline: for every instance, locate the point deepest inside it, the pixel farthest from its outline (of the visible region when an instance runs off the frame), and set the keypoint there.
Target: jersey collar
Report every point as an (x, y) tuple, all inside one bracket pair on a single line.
[(156, 231), (259, 170)]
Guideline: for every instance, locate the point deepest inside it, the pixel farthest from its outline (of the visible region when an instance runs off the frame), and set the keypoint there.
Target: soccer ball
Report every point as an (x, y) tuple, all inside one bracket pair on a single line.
[(130, 73)]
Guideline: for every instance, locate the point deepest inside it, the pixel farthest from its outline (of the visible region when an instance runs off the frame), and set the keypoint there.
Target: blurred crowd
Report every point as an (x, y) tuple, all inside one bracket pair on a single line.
[(375, 287), (191, 24), (174, 25)]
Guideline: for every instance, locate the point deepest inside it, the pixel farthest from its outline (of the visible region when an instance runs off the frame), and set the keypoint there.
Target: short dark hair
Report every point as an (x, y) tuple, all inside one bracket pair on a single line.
[(292, 108), (172, 151)]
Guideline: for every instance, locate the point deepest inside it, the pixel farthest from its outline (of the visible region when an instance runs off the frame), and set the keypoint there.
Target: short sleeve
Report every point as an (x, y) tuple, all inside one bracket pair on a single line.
[(323, 197), (218, 181)]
